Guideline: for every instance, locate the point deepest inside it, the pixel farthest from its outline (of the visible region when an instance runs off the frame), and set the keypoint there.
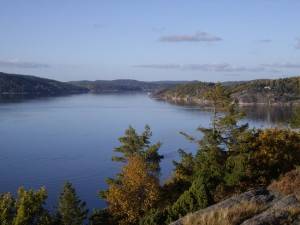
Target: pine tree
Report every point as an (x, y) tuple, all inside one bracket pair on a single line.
[(184, 169), (134, 144), (71, 210), (229, 127), (29, 207), (218, 98), (195, 198), (295, 121), (7, 209), (102, 217)]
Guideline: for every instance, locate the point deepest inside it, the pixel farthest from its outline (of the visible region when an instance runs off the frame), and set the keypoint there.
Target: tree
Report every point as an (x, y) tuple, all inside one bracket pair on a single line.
[(295, 121), (155, 217), (134, 144), (102, 217), (184, 170), (229, 127), (276, 151), (219, 98), (136, 192), (195, 198), (7, 209), (71, 210), (29, 207), (26, 209)]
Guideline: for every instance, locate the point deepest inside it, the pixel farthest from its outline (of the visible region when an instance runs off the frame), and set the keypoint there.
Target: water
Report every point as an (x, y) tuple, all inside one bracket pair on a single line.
[(48, 141)]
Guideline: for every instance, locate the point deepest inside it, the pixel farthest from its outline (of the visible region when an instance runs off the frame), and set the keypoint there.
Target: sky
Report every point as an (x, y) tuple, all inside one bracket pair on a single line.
[(211, 40)]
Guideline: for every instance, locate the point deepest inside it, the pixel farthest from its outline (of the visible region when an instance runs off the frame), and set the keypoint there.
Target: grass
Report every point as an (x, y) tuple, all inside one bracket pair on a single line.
[(225, 216), (288, 184)]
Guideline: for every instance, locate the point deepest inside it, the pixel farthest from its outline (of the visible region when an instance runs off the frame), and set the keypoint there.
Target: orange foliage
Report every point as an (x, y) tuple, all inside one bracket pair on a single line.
[(277, 151), (137, 191), (287, 184)]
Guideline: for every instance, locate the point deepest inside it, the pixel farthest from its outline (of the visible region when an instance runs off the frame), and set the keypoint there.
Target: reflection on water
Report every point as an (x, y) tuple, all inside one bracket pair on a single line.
[(17, 98), (272, 115)]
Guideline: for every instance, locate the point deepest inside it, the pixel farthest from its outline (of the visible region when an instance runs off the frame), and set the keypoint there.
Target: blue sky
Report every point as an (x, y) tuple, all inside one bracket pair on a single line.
[(213, 40)]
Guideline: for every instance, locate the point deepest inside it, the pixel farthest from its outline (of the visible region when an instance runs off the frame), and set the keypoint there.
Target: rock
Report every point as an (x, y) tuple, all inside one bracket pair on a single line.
[(261, 207), (281, 212)]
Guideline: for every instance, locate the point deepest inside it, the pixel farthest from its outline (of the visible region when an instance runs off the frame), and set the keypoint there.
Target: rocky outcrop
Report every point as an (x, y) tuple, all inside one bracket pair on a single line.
[(283, 211), (255, 207)]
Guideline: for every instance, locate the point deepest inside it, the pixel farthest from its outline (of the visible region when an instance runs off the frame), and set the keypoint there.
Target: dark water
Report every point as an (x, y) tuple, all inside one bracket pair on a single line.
[(52, 140)]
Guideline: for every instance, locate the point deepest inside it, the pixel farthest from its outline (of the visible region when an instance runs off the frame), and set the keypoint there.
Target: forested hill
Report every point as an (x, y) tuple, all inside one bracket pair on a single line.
[(267, 91), (14, 84), (277, 91), (125, 85)]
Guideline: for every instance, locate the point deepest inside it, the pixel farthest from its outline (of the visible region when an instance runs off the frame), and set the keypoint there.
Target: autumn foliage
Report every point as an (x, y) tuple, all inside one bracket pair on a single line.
[(135, 193)]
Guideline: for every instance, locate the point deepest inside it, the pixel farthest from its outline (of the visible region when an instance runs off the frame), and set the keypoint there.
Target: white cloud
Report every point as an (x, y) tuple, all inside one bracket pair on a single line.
[(197, 37), (22, 64)]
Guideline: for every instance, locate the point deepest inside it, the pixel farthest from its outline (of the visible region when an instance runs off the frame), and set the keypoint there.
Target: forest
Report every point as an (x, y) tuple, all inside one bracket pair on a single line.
[(230, 158), (264, 91)]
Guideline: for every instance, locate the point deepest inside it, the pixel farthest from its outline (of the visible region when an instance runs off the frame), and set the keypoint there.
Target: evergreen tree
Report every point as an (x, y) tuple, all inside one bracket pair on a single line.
[(71, 210), (295, 121), (7, 209), (133, 143), (102, 217), (219, 98), (29, 207), (230, 129), (195, 198), (184, 170)]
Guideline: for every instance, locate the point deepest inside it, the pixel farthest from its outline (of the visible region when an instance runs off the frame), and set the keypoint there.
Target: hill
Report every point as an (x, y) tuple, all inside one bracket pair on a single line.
[(125, 85), (278, 91), (14, 84)]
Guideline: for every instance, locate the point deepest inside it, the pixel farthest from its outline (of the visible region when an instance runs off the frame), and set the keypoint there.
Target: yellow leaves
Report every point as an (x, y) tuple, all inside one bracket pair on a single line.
[(137, 191), (276, 151)]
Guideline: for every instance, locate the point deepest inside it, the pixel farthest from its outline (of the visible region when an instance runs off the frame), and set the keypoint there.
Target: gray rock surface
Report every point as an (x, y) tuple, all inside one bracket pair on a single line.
[(276, 209)]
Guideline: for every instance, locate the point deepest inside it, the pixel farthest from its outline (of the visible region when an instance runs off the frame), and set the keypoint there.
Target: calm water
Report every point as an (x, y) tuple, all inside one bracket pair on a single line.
[(52, 140)]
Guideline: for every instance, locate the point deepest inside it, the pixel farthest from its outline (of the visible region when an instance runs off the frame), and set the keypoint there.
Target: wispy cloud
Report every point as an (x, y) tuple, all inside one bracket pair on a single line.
[(222, 67), (225, 67), (158, 29), (159, 66), (282, 65), (213, 67), (22, 64), (265, 41), (297, 46), (197, 37), (98, 25)]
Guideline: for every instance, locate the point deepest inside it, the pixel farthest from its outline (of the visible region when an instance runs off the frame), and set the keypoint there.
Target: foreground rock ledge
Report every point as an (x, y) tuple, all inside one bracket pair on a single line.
[(261, 207)]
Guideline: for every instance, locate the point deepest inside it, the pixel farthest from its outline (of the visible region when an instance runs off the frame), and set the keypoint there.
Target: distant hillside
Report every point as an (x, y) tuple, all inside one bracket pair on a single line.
[(126, 85), (268, 91), (13, 84), (279, 91)]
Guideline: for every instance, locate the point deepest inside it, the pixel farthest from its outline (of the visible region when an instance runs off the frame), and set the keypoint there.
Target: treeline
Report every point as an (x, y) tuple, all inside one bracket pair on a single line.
[(125, 85), (278, 91), (15, 84), (28, 208), (230, 158)]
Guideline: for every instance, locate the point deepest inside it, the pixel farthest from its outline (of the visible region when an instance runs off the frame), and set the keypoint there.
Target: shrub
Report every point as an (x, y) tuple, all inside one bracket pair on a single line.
[(277, 152), (195, 198)]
